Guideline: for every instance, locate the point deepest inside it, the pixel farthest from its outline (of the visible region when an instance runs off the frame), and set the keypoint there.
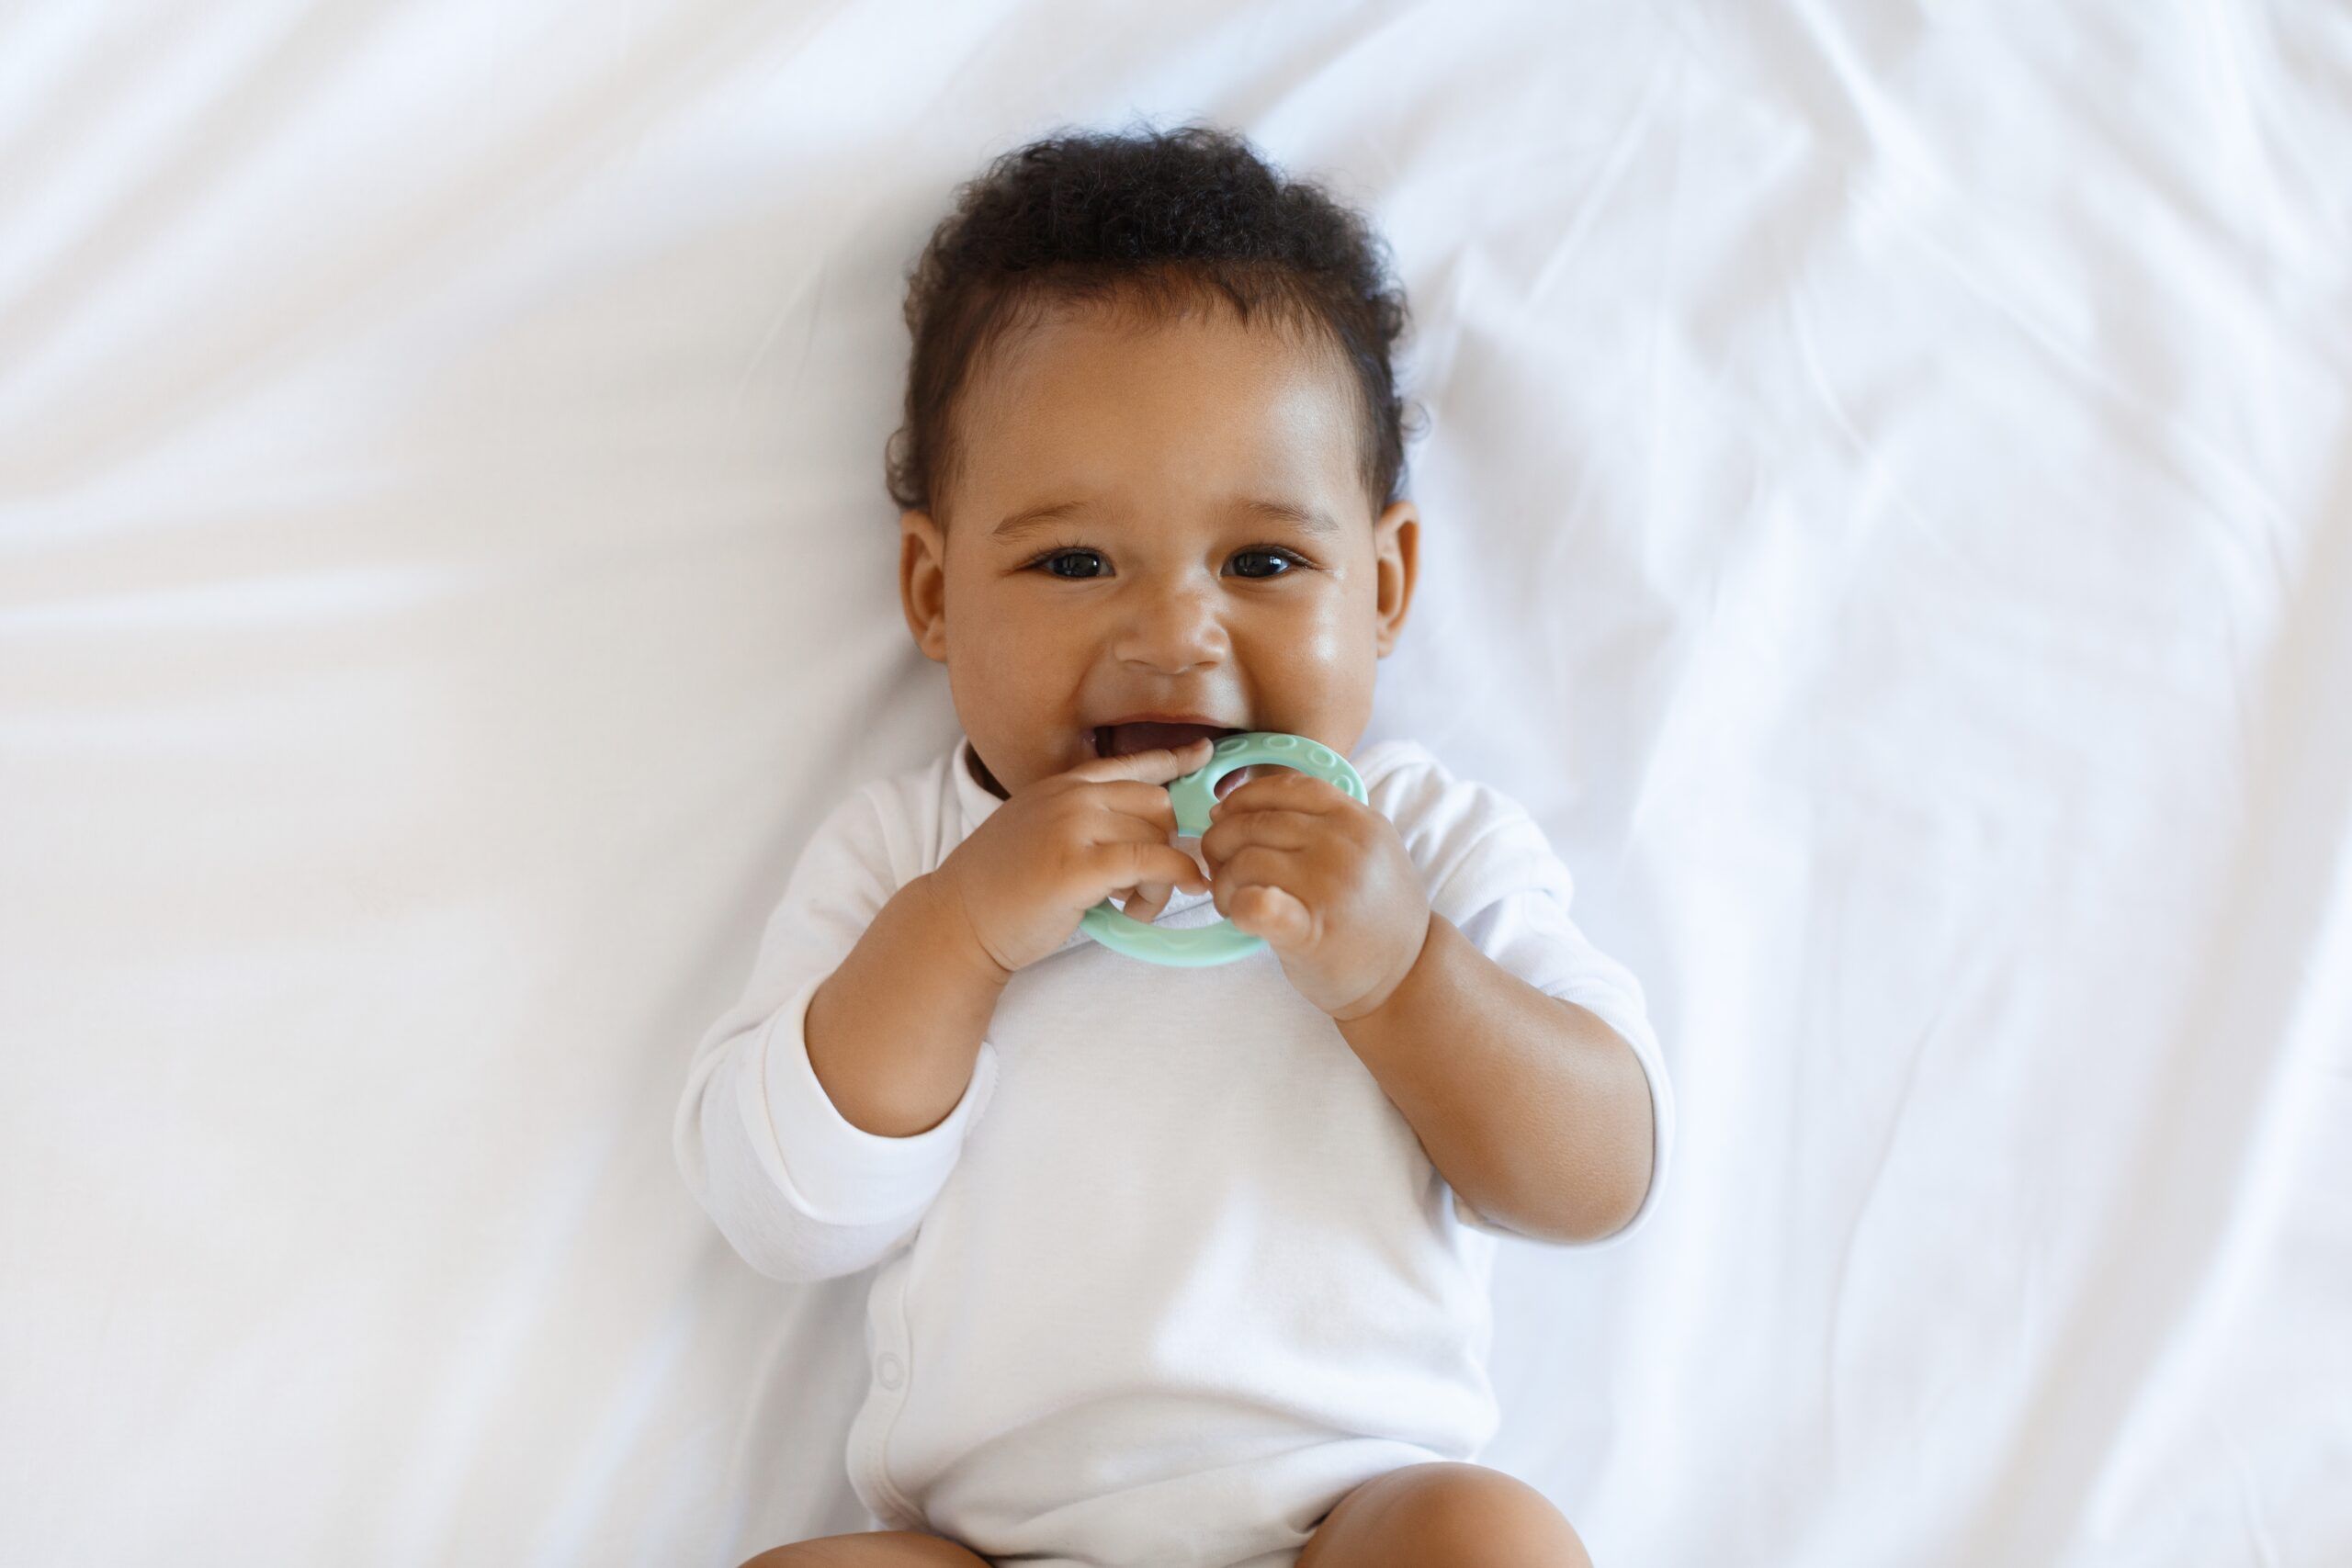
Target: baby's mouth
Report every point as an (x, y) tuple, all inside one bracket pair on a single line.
[(1122, 740)]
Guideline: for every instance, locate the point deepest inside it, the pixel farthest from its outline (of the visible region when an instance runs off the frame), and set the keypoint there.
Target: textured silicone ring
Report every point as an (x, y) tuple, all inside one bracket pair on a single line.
[(1192, 796)]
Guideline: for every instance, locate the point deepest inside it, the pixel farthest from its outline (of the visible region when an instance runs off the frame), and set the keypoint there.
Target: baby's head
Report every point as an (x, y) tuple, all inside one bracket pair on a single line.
[(1152, 456)]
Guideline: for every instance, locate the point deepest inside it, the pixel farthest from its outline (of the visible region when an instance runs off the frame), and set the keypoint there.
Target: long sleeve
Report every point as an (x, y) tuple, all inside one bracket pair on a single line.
[(800, 1191), (1493, 874)]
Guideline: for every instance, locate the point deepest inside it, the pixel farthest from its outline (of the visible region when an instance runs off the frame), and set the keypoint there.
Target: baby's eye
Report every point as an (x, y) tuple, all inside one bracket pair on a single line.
[(1080, 563), (1277, 563)]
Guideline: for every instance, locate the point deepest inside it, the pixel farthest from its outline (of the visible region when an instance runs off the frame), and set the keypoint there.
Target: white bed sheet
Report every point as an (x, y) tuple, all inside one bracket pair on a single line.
[(1889, 513)]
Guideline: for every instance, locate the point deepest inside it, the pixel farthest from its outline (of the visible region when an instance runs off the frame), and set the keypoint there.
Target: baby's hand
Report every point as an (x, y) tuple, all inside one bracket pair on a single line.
[(1058, 847), (1325, 881)]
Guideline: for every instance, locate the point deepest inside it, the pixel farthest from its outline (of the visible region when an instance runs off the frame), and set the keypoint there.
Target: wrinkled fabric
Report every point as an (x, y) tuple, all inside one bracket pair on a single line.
[(1885, 495)]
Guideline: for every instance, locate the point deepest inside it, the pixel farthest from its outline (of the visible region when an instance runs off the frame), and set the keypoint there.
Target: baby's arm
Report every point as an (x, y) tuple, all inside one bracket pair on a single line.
[(802, 1191), (1537, 1111), (892, 1034), (894, 1031), (824, 1113), (1534, 1111)]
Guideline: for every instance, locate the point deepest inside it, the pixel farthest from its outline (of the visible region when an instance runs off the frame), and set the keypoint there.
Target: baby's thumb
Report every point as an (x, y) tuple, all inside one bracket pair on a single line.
[(1151, 898)]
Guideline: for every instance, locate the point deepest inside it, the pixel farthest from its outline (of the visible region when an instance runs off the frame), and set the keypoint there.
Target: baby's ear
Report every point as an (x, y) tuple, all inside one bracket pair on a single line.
[(923, 581), (1396, 543)]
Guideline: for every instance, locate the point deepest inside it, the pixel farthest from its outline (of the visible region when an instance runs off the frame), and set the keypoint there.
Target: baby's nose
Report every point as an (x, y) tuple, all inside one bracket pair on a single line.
[(1173, 631)]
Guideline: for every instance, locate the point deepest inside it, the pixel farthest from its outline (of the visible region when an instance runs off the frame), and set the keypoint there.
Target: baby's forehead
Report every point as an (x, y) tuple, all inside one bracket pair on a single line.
[(1063, 369), (1042, 327)]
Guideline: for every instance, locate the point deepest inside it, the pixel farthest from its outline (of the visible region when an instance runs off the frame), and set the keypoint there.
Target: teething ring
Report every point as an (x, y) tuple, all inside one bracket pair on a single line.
[(1192, 796)]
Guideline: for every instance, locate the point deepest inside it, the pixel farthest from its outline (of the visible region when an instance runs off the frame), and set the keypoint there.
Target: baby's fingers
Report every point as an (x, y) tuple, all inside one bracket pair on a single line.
[(1155, 766), (1272, 913), (1149, 867), (1144, 903)]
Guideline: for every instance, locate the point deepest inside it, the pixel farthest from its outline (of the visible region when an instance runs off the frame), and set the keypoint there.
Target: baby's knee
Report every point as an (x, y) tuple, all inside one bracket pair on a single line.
[(872, 1548), (1465, 1515)]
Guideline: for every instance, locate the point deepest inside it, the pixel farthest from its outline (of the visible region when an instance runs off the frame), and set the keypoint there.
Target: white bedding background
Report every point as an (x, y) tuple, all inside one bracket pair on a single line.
[(1888, 512)]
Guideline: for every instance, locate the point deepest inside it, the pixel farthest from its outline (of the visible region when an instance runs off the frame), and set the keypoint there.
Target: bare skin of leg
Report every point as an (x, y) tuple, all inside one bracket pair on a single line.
[(874, 1549), (1465, 1515)]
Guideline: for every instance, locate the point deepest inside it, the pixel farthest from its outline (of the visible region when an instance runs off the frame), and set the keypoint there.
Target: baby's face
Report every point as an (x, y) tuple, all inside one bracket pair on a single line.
[(1156, 519)]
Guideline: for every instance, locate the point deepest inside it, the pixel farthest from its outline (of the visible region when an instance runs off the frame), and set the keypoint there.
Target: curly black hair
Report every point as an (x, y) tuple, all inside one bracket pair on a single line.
[(1156, 217)]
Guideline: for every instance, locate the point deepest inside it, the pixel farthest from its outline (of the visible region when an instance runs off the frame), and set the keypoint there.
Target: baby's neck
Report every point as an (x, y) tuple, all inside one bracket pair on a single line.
[(980, 775)]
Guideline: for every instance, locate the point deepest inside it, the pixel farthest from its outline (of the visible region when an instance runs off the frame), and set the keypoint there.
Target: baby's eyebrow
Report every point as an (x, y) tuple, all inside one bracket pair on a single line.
[(1034, 517), (1305, 517)]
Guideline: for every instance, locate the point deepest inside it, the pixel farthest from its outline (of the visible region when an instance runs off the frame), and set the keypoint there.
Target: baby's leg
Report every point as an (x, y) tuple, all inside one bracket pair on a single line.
[(874, 1549), (1465, 1515)]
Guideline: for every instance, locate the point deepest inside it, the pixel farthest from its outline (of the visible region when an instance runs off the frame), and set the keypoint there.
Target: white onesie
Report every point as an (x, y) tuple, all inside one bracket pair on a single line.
[(1180, 1275)]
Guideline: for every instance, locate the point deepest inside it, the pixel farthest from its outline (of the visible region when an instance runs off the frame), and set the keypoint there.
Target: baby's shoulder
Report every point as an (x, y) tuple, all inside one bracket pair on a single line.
[(1442, 816), (900, 823)]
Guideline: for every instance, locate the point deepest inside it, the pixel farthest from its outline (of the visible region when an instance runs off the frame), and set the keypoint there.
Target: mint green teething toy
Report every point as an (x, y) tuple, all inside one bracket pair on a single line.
[(1199, 946)]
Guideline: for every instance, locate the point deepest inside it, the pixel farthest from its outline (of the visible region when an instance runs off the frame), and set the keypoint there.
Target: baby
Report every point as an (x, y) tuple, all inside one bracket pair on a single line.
[(1180, 1267)]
